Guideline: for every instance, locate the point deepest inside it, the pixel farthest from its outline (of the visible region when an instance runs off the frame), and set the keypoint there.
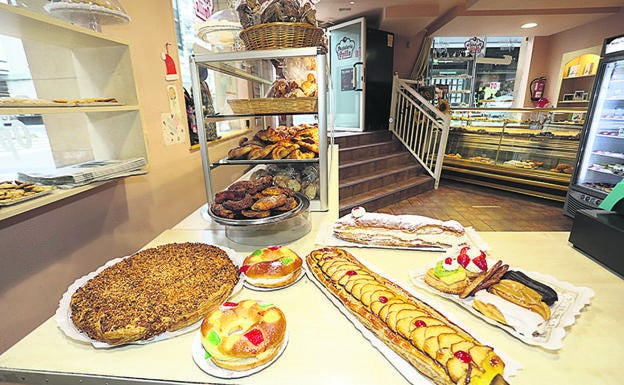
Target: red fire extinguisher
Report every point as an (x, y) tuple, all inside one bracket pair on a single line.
[(537, 88)]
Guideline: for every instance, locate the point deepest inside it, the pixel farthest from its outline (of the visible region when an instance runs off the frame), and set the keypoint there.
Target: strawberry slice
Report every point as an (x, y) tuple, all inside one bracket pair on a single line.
[(463, 260), (480, 261)]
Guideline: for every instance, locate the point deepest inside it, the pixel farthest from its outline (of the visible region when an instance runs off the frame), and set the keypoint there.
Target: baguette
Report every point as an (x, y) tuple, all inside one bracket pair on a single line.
[(430, 342)]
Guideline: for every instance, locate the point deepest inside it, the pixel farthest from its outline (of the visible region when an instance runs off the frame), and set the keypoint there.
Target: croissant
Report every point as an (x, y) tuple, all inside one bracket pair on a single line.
[(298, 154), (260, 152), (283, 149), (241, 151)]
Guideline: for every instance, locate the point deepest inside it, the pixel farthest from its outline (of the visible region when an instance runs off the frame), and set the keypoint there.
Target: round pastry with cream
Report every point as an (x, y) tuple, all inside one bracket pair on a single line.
[(447, 276), (272, 267), (243, 335)]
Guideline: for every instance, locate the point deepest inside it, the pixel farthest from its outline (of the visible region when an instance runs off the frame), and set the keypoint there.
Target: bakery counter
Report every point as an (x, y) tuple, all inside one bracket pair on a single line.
[(324, 347)]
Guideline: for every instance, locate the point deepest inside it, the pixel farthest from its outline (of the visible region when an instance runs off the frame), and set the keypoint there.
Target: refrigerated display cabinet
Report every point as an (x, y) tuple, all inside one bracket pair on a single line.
[(528, 151), (600, 162)]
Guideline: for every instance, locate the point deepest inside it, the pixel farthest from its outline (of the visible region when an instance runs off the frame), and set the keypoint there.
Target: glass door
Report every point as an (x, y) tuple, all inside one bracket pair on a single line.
[(601, 164), (347, 51)]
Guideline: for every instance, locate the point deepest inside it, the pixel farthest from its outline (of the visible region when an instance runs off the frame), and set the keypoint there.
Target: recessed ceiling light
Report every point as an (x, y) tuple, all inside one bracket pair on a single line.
[(351, 2), (528, 25)]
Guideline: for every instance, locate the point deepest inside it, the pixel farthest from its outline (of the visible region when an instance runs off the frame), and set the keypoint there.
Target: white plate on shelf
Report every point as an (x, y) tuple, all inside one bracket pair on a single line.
[(206, 364), (571, 299)]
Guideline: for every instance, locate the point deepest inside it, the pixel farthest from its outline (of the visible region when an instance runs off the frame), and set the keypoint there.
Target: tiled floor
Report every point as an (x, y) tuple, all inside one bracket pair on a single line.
[(485, 209)]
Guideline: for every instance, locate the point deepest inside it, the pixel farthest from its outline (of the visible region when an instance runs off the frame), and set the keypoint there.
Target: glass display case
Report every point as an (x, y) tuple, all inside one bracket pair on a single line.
[(600, 162), (280, 95), (529, 151)]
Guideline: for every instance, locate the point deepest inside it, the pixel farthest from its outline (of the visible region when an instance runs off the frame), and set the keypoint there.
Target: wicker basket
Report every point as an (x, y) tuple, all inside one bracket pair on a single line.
[(281, 35), (273, 106)]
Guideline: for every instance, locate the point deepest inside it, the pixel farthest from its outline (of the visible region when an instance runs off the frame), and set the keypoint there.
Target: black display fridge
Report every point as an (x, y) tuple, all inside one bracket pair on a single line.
[(361, 68), (600, 159)]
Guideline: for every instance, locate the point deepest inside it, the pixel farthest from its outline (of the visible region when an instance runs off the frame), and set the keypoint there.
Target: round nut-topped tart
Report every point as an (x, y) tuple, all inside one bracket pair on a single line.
[(156, 290)]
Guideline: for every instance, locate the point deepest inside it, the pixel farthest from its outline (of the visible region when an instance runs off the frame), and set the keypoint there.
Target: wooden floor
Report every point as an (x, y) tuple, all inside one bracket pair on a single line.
[(485, 209)]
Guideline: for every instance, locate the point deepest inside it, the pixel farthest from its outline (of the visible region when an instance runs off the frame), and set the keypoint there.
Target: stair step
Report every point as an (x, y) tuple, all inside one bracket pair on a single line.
[(361, 183), (353, 168), (380, 197), (355, 139), (370, 150)]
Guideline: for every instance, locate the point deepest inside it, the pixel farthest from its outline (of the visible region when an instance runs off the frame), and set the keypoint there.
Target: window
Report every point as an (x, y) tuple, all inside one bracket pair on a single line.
[(24, 142), (476, 71), (220, 87)]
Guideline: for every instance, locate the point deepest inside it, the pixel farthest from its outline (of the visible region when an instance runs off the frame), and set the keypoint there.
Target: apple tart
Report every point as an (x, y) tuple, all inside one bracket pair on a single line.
[(428, 340)]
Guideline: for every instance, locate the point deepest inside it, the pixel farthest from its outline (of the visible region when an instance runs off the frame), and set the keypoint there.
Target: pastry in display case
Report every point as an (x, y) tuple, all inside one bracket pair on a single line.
[(276, 96), (529, 151)]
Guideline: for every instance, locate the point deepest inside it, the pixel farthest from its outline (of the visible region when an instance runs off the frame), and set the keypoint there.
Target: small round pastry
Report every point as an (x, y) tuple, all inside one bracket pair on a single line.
[(447, 276), (272, 267), (243, 335)]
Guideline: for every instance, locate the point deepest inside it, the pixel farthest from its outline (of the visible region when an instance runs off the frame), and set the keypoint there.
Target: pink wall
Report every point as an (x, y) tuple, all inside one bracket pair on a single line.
[(45, 250), (585, 36)]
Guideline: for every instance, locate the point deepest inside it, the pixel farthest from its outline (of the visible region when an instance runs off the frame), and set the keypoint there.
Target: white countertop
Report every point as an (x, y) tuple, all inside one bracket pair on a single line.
[(324, 346)]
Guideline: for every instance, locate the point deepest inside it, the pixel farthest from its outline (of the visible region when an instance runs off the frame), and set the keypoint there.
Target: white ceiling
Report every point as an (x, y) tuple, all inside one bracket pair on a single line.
[(470, 17)]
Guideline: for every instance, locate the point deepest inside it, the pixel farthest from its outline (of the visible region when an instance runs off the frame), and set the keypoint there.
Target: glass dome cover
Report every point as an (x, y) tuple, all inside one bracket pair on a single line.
[(88, 13), (221, 30)]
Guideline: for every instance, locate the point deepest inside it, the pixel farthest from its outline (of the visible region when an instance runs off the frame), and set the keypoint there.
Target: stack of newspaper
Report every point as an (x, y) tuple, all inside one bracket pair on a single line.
[(85, 173)]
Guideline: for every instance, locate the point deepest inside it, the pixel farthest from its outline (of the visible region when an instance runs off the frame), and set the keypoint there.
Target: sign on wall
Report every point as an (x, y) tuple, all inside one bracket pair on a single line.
[(203, 9)]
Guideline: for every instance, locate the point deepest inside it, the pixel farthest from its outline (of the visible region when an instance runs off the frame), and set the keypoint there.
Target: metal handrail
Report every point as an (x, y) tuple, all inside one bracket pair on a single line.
[(419, 125)]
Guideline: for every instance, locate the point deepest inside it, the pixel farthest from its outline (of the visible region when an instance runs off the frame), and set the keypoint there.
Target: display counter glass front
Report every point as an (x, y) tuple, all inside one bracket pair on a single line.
[(530, 151)]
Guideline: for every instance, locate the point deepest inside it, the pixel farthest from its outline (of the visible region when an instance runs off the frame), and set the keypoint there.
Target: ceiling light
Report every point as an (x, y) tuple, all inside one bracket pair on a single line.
[(351, 2), (528, 25)]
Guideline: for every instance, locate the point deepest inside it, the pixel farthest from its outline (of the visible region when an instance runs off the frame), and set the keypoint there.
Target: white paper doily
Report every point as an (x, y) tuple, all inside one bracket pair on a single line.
[(563, 312), (63, 312)]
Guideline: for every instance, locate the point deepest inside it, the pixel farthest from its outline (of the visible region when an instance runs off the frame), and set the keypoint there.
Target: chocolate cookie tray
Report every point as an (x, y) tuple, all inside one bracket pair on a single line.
[(572, 299)]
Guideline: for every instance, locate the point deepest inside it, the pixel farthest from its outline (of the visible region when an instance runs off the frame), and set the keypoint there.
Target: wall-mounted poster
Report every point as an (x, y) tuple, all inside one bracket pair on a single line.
[(347, 81)]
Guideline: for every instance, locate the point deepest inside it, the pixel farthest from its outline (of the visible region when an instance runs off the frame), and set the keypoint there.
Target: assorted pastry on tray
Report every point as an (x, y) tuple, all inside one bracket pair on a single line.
[(256, 199), (506, 296), (282, 142)]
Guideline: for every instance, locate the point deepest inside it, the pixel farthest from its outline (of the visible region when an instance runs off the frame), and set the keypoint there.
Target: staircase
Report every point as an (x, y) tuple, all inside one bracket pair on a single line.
[(375, 170)]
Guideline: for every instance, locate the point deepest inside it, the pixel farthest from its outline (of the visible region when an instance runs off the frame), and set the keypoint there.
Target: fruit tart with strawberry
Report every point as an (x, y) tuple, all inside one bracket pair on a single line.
[(453, 273)]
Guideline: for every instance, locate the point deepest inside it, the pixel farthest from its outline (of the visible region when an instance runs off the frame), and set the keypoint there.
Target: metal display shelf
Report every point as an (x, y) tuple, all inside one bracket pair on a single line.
[(240, 65)]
